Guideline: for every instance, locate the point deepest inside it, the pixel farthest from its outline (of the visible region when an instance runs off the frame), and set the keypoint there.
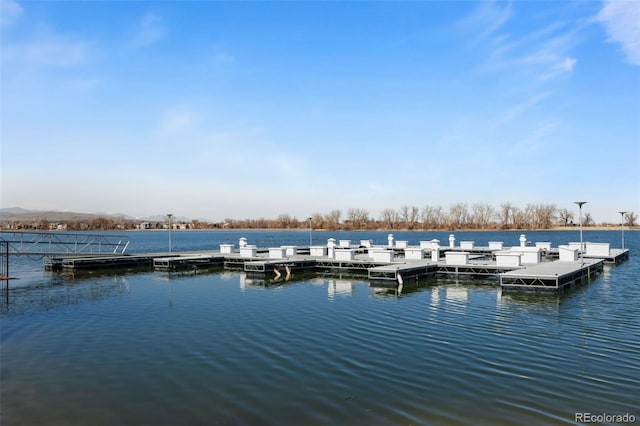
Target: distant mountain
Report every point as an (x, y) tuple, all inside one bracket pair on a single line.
[(121, 215), (18, 214), (15, 210), (51, 216), (162, 218)]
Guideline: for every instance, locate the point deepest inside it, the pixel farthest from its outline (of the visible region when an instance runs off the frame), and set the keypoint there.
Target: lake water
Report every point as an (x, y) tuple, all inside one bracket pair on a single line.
[(151, 348)]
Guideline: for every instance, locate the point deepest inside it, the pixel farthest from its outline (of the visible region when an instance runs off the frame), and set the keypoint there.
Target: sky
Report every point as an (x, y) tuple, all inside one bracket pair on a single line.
[(214, 110)]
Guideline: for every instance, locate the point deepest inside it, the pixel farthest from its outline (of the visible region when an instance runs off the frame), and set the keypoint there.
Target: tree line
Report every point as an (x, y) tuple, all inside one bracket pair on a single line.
[(458, 216)]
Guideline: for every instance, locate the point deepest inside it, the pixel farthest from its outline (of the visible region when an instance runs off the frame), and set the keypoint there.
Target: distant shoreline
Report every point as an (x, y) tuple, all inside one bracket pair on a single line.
[(562, 228)]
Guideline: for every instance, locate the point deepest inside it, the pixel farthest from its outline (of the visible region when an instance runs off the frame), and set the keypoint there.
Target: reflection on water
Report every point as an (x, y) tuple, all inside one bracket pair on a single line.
[(435, 297), (60, 291), (458, 294), (337, 287), (528, 300), (226, 348)]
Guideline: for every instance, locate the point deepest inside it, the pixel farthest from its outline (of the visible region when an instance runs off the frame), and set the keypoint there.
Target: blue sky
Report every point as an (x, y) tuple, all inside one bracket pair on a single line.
[(252, 109)]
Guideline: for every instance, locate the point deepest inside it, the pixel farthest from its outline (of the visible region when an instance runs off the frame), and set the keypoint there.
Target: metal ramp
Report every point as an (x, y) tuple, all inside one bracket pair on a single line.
[(62, 243)]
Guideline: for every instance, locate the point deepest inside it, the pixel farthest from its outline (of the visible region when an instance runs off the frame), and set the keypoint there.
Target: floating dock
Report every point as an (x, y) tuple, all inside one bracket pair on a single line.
[(551, 276), (103, 261), (520, 268), (614, 257), (178, 263), (401, 272)]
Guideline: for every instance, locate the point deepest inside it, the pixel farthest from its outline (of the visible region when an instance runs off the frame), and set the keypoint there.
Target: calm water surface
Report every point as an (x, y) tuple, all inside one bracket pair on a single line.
[(220, 348)]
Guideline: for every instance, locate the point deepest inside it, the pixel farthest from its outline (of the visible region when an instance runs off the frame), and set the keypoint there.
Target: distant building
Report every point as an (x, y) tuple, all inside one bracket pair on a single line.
[(57, 227), (176, 226)]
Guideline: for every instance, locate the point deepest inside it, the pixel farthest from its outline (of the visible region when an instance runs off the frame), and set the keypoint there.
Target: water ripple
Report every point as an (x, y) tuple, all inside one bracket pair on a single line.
[(218, 349)]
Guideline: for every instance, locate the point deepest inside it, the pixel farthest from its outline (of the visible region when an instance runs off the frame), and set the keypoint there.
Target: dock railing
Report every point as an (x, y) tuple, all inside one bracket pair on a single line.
[(62, 243)]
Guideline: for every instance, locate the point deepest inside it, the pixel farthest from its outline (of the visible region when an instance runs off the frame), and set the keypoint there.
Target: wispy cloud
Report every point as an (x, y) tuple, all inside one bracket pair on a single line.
[(219, 54), (542, 54), (526, 69), (86, 83), (521, 108), (48, 50), (567, 64), (151, 30), (536, 139), (621, 19), (486, 19), (177, 121), (10, 12), (204, 145), (286, 164), (544, 51)]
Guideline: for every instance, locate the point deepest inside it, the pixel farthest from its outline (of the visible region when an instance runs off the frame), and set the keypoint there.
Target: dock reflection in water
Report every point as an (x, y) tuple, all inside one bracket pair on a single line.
[(60, 291), (226, 350)]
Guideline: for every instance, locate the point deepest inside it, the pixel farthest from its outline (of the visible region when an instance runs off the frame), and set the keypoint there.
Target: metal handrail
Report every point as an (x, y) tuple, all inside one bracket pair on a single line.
[(51, 243)]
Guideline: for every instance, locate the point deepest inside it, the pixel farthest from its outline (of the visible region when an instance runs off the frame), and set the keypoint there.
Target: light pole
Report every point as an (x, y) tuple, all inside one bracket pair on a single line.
[(310, 231), (580, 203), (169, 216), (622, 226)]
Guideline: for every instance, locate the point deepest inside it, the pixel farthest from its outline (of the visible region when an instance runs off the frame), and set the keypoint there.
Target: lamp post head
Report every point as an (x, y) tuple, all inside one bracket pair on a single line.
[(622, 218), (580, 203)]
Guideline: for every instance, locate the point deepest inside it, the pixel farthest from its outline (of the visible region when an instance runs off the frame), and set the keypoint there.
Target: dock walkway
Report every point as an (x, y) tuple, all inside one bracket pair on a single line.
[(176, 263), (551, 276), (544, 274), (401, 271), (615, 257)]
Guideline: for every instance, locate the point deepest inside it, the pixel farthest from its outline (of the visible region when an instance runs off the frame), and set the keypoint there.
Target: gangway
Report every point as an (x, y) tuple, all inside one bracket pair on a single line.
[(48, 244)]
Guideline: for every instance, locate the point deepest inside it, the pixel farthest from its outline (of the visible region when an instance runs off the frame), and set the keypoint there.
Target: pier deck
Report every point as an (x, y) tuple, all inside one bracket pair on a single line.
[(551, 276), (616, 256), (282, 266), (106, 261), (548, 275), (186, 262), (86, 263), (400, 271)]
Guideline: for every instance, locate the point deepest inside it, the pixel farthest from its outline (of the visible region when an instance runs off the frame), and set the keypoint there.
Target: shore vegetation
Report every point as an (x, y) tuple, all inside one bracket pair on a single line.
[(458, 216)]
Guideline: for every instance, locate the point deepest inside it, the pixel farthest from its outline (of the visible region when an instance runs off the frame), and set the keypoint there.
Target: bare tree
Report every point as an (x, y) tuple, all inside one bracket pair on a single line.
[(531, 216), (390, 218), (481, 215), (631, 219), (409, 216), (548, 215), (432, 217), (333, 219), (587, 220), (261, 223), (285, 221), (542, 215), (458, 215), (520, 218), (506, 215), (358, 217), (566, 217), (101, 223), (317, 221)]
